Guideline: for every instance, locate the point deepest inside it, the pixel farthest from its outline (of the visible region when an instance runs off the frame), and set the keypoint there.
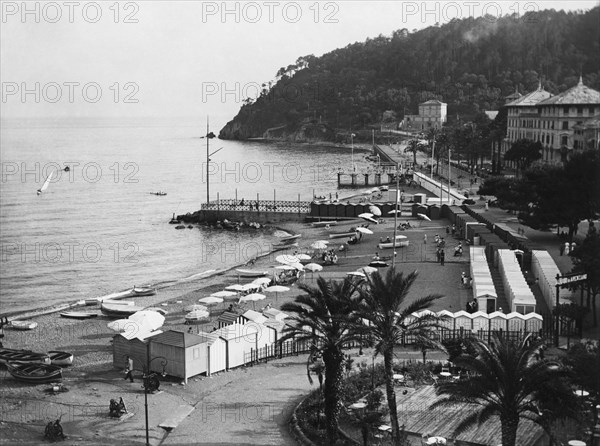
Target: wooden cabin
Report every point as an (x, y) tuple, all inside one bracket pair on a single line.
[(240, 340), (229, 318)]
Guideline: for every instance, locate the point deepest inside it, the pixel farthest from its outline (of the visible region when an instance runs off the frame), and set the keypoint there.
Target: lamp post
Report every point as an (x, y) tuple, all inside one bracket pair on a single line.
[(146, 375), (352, 145)]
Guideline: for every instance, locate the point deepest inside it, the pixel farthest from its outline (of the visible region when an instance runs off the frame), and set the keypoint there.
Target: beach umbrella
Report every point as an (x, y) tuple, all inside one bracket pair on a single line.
[(285, 267), (356, 274), (364, 230), (276, 289), (262, 280), (367, 270), (299, 266), (149, 319), (365, 215), (124, 325), (158, 310), (367, 192), (395, 211), (319, 244), (254, 297), (250, 286), (375, 210), (313, 267), (303, 257), (224, 294), (424, 217), (195, 307), (287, 259), (210, 300), (197, 315), (374, 190), (234, 287)]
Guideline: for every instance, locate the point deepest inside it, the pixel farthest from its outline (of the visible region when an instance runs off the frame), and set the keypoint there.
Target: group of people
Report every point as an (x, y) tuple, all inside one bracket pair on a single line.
[(467, 282), (472, 306), (330, 257), (567, 248)]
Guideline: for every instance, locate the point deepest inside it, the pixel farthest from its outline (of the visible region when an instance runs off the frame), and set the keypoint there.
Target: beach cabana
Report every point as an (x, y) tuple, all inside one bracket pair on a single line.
[(136, 348), (448, 319), (214, 353), (533, 322), (230, 317), (480, 321), (463, 320), (498, 321), (515, 321), (273, 313), (240, 340)]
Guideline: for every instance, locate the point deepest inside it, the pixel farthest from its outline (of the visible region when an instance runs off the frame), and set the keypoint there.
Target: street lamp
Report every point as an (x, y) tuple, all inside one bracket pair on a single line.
[(151, 381), (352, 135)]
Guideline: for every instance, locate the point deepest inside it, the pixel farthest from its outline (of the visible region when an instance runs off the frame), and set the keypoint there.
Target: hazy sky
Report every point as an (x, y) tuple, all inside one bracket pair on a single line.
[(188, 58)]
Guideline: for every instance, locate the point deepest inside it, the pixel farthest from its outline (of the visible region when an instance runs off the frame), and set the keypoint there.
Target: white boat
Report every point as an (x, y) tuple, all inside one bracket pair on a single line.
[(398, 244), (23, 325), (78, 314), (46, 183), (319, 224), (290, 238), (60, 358), (342, 234), (119, 310)]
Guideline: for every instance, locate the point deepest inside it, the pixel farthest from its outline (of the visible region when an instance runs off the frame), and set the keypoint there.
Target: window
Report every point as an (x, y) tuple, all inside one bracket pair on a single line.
[(564, 140), (565, 125), (580, 110), (566, 110)]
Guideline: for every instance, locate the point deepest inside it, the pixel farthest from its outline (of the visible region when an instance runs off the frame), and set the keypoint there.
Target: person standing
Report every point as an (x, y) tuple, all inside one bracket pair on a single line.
[(424, 239), (442, 256), (561, 248), (129, 369), (567, 248)]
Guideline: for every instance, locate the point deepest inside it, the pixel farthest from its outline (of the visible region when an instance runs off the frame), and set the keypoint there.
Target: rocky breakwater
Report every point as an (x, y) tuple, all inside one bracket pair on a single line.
[(306, 131)]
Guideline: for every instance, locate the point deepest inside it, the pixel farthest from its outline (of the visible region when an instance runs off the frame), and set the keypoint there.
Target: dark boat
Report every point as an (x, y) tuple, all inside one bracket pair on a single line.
[(160, 194), (289, 239), (60, 358), (119, 311), (142, 291), (79, 314), (35, 373), (22, 356), (251, 273)]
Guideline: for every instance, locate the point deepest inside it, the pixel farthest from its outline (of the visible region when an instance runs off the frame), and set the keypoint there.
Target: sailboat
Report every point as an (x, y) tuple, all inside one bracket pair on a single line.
[(46, 183)]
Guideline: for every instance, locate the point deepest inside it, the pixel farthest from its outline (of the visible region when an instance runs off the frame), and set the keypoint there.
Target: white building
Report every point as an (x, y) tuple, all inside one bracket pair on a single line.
[(432, 114)]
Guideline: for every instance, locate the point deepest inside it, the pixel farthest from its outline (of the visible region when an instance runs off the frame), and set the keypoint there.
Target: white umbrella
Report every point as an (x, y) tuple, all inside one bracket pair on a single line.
[(276, 289), (234, 287), (424, 217), (196, 307), (395, 211), (378, 264), (254, 297), (313, 267), (303, 257), (299, 266), (364, 230), (224, 294), (365, 215), (375, 211), (285, 267), (128, 328), (210, 300), (250, 286), (319, 244), (262, 280), (158, 310), (149, 319), (197, 315), (287, 259), (367, 270), (356, 274)]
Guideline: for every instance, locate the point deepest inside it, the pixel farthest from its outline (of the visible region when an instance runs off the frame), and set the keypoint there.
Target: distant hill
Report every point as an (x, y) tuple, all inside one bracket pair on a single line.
[(471, 64)]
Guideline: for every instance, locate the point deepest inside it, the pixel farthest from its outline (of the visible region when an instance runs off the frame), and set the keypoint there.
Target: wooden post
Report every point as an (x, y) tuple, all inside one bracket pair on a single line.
[(556, 310), (218, 203), (257, 201)]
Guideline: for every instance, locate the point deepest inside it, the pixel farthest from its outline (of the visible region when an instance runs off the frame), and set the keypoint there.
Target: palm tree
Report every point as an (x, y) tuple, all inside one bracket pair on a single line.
[(509, 382), (414, 146), (324, 316), (389, 319)]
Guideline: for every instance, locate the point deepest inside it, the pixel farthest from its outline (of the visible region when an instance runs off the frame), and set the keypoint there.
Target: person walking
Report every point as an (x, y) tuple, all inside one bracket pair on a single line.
[(129, 369), (442, 256)]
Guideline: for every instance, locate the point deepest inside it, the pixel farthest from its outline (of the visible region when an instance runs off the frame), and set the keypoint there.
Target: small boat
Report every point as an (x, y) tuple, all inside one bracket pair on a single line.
[(90, 302), (60, 358), (141, 291), (285, 246), (251, 273), (23, 325), (118, 310), (35, 373), (160, 194), (78, 314), (290, 238), (22, 356), (46, 183), (319, 224), (197, 315), (398, 244), (342, 234)]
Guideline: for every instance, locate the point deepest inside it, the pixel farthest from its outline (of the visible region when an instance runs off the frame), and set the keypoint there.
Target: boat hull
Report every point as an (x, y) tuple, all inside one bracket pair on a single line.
[(23, 325), (35, 373), (251, 273), (60, 358), (78, 315), (118, 311), (23, 356), (398, 244), (342, 234)]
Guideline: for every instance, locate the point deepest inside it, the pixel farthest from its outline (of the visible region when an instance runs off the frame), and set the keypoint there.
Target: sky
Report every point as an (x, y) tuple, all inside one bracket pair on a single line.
[(188, 58)]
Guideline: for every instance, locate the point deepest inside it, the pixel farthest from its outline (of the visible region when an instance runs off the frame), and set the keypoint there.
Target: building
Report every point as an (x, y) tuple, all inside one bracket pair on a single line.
[(432, 114), (554, 120), (586, 134)]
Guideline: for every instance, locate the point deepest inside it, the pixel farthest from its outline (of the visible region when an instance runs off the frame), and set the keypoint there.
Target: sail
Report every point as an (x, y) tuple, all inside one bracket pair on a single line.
[(47, 182)]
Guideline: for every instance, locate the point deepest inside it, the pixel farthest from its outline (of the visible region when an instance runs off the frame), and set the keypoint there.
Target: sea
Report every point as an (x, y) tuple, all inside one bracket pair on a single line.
[(98, 228)]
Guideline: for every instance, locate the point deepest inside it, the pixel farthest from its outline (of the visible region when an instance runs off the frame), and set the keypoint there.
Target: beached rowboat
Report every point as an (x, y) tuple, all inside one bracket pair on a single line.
[(118, 310), (398, 244), (342, 234), (23, 325), (251, 273), (141, 291), (60, 358), (35, 373), (290, 238), (319, 224), (9, 355), (78, 314)]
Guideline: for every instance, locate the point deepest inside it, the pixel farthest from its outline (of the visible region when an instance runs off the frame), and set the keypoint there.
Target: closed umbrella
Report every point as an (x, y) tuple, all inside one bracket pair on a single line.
[(375, 210), (276, 289), (149, 319), (210, 300), (424, 217), (364, 230)]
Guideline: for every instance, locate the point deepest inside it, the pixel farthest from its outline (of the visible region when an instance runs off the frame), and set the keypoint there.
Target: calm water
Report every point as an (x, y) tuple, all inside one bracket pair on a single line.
[(98, 229)]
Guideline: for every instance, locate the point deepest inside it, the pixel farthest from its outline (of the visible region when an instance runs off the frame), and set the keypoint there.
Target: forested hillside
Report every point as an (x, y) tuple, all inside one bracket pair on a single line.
[(471, 64)]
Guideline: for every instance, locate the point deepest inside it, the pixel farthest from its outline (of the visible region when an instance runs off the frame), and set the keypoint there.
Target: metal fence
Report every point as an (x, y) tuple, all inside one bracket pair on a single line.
[(258, 206)]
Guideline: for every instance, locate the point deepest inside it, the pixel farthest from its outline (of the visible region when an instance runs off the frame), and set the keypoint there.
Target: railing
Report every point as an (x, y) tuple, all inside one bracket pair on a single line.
[(258, 206)]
